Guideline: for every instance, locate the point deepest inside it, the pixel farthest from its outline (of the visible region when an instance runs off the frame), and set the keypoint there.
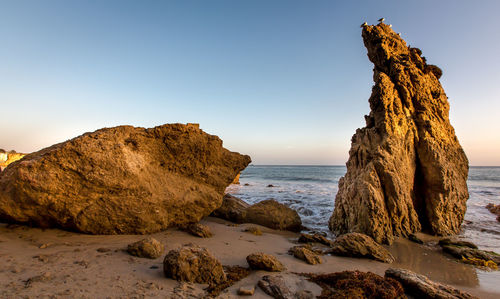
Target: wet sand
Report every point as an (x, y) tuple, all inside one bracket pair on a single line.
[(53, 263)]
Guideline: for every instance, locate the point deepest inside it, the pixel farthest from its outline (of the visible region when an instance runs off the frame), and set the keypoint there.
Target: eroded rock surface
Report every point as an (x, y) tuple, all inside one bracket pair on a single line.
[(194, 264), (360, 245), (420, 286), (306, 254), (121, 180), (199, 230), (266, 262), (406, 169)]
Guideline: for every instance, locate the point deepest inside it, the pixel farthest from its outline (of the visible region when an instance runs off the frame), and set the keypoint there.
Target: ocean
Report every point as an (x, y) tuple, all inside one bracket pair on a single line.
[(311, 190)]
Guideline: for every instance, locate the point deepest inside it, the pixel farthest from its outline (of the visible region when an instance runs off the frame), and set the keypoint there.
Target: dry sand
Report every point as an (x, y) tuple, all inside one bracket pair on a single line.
[(52, 263)]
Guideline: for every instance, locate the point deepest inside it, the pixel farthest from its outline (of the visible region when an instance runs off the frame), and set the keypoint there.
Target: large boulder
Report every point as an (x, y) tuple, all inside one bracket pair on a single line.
[(121, 180), (275, 215), (360, 245), (406, 169), (232, 209), (193, 264), (419, 286)]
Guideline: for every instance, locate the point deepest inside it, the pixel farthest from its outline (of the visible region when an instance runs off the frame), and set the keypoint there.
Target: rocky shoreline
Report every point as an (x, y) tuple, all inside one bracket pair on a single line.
[(58, 264)]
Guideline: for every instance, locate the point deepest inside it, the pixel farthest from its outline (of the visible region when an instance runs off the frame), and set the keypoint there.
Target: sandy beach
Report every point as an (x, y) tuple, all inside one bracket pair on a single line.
[(52, 263)]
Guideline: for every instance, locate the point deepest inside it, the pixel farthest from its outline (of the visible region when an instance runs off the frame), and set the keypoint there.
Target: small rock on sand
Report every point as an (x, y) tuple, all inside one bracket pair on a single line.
[(360, 245), (246, 291), (147, 248), (199, 230), (267, 262)]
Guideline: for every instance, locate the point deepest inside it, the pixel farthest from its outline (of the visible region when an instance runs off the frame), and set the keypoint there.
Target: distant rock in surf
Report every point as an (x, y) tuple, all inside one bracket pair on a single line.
[(406, 169), (121, 180)]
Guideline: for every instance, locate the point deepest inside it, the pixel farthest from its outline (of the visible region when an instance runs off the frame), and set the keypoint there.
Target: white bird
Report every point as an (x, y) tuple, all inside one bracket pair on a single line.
[(381, 20), (390, 25), (364, 24)]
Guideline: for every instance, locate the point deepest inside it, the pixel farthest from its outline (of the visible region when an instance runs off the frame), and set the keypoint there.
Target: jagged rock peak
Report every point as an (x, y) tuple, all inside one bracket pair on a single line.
[(406, 169)]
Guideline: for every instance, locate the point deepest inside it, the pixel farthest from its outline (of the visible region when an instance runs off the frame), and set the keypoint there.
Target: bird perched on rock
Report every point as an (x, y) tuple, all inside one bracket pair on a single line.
[(364, 24), (381, 20)]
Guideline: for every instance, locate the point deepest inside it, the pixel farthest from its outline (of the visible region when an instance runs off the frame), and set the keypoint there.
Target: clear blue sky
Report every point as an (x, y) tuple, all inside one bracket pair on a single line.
[(286, 82)]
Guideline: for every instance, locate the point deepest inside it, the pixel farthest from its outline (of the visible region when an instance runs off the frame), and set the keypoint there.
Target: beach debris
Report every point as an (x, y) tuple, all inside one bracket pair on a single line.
[(44, 277), (103, 249), (360, 245), (253, 230), (406, 168), (419, 286), (459, 243), (246, 291), (199, 230), (468, 253), (147, 248), (275, 215), (233, 274), (306, 254), (232, 209), (193, 263), (266, 262), (356, 284), (121, 180), (314, 238)]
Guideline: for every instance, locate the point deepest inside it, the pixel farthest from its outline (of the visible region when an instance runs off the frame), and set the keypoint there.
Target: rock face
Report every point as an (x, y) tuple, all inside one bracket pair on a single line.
[(359, 245), (121, 180), (406, 169), (147, 248), (420, 286), (194, 264)]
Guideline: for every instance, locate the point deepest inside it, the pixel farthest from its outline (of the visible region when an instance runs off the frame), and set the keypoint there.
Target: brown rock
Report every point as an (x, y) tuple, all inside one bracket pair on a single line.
[(495, 209), (236, 179), (266, 262), (232, 209), (148, 248), (199, 230), (193, 264), (420, 286), (459, 243), (467, 253), (406, 169), (314, 238), (305, 254), (360, 245), (246, 291), (270, 213), (357, 284), (121, 180), (7, 158), (275, 286)]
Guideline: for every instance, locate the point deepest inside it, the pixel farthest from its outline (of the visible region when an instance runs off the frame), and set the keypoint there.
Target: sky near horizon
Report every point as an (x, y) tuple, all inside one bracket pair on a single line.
[(286, 82)]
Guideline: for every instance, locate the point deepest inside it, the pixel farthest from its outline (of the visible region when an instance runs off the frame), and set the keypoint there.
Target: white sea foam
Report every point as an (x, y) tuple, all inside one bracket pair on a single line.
[(311, 190)]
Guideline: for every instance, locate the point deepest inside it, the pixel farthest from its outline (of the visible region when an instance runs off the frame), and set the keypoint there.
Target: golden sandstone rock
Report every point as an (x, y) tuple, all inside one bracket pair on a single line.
[(121, 180), (406, 170)]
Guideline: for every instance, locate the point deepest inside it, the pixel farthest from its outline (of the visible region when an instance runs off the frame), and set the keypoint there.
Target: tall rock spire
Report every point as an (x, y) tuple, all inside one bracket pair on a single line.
[(406, 170)]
